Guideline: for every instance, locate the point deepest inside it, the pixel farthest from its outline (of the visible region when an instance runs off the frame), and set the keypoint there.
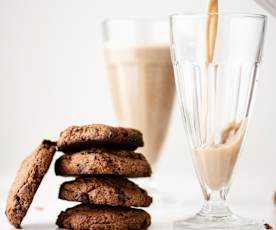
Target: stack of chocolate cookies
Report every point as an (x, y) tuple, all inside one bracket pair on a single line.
[(101, 158)]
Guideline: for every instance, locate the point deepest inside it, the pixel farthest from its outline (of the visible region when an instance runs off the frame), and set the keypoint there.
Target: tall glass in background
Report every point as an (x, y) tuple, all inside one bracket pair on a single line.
[(216, 97), (141, 77)]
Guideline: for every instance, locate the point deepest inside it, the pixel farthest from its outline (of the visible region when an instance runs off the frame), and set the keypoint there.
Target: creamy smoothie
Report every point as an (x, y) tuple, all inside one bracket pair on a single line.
[(143, 88)]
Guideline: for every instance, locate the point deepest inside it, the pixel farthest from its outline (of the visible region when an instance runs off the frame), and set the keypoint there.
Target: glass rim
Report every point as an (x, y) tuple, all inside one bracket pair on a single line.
[(226, 14)]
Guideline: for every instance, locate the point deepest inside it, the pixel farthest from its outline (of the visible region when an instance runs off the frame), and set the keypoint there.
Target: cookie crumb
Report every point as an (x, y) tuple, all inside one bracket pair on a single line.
[(267, 226), (39, 208)]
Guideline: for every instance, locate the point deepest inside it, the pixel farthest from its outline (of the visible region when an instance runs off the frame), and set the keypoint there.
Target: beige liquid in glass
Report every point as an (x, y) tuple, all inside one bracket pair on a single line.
[(143, 89), (215, 162)]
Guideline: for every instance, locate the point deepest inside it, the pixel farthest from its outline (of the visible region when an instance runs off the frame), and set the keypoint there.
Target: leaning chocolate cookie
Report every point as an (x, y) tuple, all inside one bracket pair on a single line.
[(27, 181)]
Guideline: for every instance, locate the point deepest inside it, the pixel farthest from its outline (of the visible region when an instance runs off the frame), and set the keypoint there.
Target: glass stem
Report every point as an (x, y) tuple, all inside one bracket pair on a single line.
[(215, 204)]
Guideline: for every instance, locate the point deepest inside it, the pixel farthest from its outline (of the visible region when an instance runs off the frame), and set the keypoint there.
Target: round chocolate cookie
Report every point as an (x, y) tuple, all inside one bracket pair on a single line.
[(103, 162), (77, 138), (27, 181), (105, 190), (93, 217)]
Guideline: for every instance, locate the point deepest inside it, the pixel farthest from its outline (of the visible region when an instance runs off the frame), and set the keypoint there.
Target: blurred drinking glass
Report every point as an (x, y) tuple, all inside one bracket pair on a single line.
[(141, 78)]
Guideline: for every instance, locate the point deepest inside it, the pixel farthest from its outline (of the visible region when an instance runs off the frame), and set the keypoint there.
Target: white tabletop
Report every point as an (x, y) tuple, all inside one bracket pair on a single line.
[(43, 217), (43, 212), (46, 207)]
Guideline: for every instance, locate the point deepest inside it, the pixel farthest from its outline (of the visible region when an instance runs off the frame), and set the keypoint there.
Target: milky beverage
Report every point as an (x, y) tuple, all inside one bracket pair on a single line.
[(143, 88), (215, 162)]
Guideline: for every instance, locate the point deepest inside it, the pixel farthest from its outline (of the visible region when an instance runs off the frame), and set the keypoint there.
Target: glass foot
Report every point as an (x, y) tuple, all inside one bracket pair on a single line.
[(231, 222)]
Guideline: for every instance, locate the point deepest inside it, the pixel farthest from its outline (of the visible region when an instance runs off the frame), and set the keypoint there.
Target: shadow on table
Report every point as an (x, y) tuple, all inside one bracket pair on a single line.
[(41, 226), (54, 227)]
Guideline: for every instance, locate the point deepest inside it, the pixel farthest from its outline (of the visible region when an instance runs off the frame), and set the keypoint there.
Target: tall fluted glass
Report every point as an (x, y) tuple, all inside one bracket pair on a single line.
[(141, 79), (215, 96)]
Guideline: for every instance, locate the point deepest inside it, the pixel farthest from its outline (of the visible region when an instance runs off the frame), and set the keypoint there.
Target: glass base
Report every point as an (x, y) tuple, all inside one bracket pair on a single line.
[(232, 222)]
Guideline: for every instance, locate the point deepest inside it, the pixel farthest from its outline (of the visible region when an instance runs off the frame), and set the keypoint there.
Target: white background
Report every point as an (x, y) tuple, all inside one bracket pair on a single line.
[(53, 75)]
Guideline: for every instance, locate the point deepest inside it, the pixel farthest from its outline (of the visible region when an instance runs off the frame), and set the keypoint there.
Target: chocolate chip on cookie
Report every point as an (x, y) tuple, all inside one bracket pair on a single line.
[(27, 181)]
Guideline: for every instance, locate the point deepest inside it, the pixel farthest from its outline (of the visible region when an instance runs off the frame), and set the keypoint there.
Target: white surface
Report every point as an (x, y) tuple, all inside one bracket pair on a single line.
[(162, 219), (46, 207), (53, 75)]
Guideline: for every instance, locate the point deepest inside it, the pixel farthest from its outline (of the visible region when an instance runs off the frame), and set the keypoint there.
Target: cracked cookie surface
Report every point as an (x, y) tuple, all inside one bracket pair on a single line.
[(95, 217), (76, 138), (27, 181), (104, 162), (115, 191)]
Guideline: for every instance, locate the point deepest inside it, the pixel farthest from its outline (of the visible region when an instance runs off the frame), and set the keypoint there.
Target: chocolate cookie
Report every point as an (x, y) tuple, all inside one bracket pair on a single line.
[(103, 161), (77, 138), (105, 190), (27, 181), (267, 226), (93, 217)]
